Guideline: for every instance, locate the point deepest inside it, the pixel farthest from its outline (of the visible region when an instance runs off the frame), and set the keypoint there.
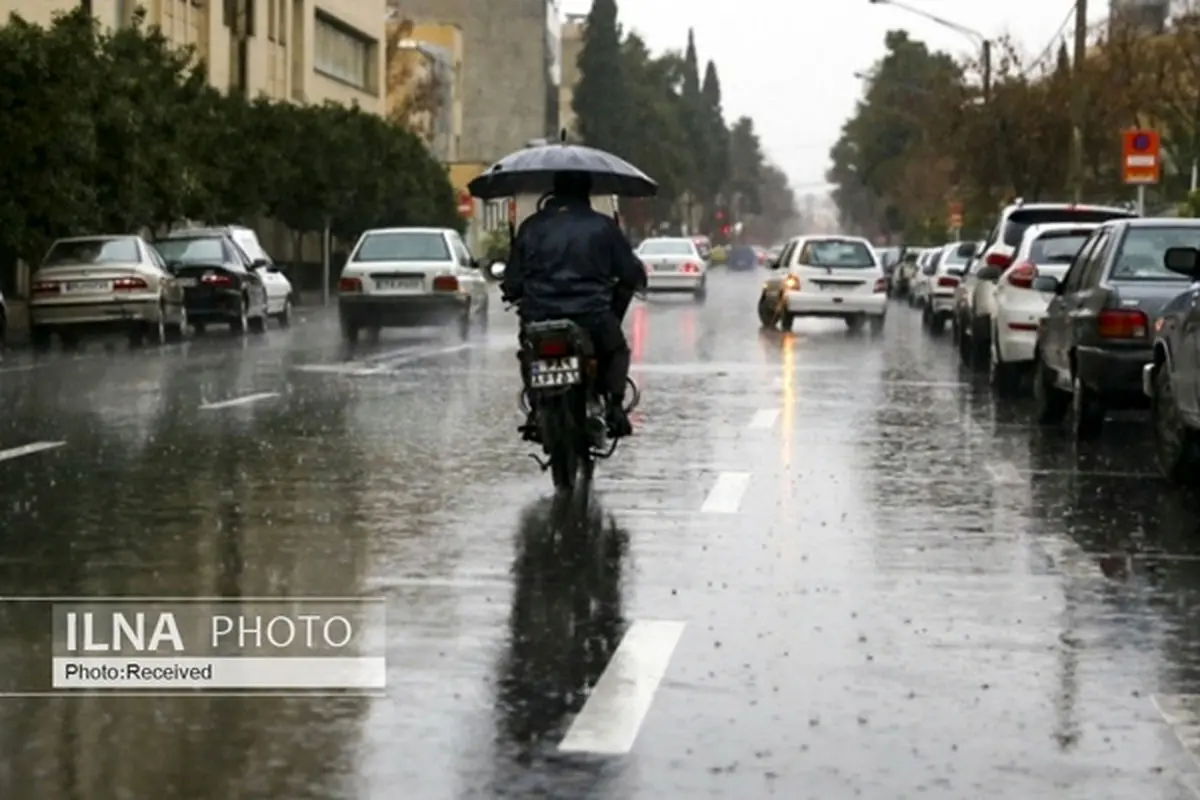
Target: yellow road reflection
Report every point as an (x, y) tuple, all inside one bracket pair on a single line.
[(788, 410)]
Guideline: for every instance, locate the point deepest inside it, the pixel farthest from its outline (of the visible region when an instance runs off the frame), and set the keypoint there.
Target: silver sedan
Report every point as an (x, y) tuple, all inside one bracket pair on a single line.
[(674, 265)]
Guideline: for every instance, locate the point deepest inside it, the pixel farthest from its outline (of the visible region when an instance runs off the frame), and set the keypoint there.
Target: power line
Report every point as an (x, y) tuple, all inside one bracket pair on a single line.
[(1053, 40)]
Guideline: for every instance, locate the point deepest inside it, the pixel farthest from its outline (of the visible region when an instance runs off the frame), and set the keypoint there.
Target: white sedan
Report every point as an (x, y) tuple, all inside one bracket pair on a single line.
[(402, 277), (1016, 308), (673, 265), (835, 277)]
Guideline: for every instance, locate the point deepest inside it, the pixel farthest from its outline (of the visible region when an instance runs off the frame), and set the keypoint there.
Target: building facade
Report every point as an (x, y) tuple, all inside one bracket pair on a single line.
[(424, 83), (285, 49), (509, 95), (572, 43), (1148, 15)]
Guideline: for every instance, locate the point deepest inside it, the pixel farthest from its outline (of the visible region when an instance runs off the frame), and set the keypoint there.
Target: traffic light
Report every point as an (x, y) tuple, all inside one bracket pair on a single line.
[(725, 230)]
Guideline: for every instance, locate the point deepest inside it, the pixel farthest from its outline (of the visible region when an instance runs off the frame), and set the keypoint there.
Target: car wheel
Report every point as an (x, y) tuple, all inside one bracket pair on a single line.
[(176, 330), (3, 330), (464, 323), (481, 318), (1175, 444), (284, 317), (1005, 376), (937, 323), (1087, 411), (854, 323), (980, 342), (877, 324), (926, 317), (241, 323), (40, 337), (701, 292), (151, 332), (786, 321), (349, 330), (963, 341), (768, 315), (1051, 404), (258, 324)]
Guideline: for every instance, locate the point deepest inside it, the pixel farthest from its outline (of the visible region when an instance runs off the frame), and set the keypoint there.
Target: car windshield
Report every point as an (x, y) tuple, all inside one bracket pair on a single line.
[(666, 248), (839, 254), (1141, 255), (403, 246), (1056, 247), (201, 250), (92, 251), (1020, 220)]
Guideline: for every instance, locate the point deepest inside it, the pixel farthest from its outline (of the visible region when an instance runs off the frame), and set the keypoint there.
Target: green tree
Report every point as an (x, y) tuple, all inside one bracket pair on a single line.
[(745, 167), (716, 164), (600, 100)]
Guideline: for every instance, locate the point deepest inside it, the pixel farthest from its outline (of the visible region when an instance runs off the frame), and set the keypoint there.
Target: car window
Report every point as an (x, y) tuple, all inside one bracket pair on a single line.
[(157, 259), (1056, 247), (1074, 276), (205, 250), (1020, 219), (461, 251), (789, 250), (1141, 253), (838, 254), (93, 251), (667, 247), (1088, 264), (402, 246)]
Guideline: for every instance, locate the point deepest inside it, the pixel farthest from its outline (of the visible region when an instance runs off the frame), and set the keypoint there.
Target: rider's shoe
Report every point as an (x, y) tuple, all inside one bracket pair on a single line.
[(529, 430), (618, 422)]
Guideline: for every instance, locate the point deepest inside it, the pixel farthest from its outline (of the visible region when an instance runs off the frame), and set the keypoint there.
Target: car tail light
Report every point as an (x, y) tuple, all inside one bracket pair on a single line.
[(445, 283), (689, 267), (129, 284), (217, 280), (946, 282), (880, 285), (1023, 276), (998, 260), (47, 287), (552, 348), (349, 285), (1122, 324)]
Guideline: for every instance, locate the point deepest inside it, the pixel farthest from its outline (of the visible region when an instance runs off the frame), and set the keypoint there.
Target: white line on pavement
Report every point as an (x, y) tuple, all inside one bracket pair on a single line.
[(28, 449), (239, 401), (1004, 473), (763, 419), (1179, 712), (725, 497), (382, 363), (21, 368), (609, 721)]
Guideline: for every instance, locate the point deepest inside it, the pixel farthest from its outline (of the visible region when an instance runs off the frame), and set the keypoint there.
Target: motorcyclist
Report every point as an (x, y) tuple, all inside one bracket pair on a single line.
[(572, 262)]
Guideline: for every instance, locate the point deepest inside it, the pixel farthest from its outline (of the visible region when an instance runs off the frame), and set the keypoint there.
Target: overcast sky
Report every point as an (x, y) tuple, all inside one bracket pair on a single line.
[(791, 65)]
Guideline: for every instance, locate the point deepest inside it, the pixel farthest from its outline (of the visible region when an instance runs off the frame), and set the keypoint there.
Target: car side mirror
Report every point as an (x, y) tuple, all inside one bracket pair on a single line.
[(989, 273), (1048, 284), (260, 263), (1182, 260), (473, 263)]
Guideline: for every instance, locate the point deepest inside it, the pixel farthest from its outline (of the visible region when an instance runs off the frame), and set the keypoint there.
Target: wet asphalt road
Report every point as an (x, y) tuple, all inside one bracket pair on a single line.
[(855, 574)]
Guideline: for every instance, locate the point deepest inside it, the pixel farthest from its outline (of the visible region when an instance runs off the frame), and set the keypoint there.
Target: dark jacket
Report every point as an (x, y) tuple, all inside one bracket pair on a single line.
[(567, 260)]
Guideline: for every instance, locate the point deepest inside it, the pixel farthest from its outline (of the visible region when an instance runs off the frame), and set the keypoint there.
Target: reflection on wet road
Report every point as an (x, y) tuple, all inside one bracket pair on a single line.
[(828, 566)]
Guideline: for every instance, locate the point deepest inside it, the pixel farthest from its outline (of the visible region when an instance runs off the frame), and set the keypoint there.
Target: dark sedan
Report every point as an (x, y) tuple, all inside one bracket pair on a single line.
[(219, 282), (1097, 334)]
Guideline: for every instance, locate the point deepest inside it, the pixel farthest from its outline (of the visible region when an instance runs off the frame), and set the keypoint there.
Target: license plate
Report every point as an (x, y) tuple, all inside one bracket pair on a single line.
[(88, 286), (188, 283), (555, 372), (837, 299), (399, 284), (665, 267)]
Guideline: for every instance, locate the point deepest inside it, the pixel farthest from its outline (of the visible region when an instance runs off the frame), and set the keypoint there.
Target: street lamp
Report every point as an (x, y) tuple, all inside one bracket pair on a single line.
[(984, 42)]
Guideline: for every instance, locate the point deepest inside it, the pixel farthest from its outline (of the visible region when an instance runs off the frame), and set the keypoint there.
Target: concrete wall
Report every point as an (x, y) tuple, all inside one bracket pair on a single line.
[(505, 93)]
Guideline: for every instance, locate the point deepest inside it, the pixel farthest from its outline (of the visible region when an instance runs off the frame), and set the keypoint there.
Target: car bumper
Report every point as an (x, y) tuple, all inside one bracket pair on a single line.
[(1117, 375), (205, 304), (403, 311), (941, 303), (828, 304), (677, 282), (1016, 331), (143, 309)]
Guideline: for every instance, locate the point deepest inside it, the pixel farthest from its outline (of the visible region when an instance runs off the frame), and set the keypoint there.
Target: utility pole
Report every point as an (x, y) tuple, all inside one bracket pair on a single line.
[(1077, 100), (987, 71)]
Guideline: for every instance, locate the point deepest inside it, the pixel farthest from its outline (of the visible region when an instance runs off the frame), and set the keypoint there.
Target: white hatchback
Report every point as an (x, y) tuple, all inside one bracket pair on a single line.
[(1016, 307), (403, 277), (835, 277)]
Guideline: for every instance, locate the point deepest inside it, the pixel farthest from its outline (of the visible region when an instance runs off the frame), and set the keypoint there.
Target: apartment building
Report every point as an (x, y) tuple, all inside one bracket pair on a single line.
[(287, 49), (1147, 15), (572, 43), (510, 74), (424, 83)]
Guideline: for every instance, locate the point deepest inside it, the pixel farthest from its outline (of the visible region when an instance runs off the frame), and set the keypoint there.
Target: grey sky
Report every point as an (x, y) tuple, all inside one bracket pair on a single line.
[(791, 65)]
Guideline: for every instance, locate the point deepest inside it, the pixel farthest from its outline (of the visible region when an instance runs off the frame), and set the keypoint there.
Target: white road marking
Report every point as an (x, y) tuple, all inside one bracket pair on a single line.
[(239, 401), (764, 419), (1179, 712), (382, 363), (725, 497), (28, 449), (21, 368), (609, 721), (1068, 557), (1005, 473)]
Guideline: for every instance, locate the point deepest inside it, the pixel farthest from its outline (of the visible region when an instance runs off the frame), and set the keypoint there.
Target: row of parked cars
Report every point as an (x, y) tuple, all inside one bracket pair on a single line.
[(156, 292), (1087, 309)]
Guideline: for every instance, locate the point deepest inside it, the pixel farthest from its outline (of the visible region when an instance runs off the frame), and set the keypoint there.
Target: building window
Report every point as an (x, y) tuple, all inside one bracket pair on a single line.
[(342, 54), (239, 17)]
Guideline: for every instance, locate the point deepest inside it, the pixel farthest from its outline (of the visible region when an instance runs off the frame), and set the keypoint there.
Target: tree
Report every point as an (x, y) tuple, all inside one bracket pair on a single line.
[(716, 163), (745, 167), (600, 98)]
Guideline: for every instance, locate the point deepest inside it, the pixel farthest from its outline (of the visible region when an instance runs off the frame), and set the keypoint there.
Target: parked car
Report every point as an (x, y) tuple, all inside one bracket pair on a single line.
[(927, 264), (939, 297), (220, 282), (741, 258), (1016, 309), (280, 294), (837, 277), (404, 277), (703, 247), (89, 284), (674, 265), (905, 271), (972, 331), (1096, 335), (1171, 380)]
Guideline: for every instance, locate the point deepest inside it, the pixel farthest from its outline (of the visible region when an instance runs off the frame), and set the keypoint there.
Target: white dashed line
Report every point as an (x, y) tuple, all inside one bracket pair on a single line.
[(1179, 712), (239, 401), (725, 497), (763, 419), (380, 364), (1004, 473), (28, 449), (609, 721), (20, 368)]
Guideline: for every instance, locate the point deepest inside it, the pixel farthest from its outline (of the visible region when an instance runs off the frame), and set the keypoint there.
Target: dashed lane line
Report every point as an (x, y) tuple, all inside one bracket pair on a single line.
[(764, 419), (612, 716), (28, 449), (239, 401), (725, 497), (382, 363)]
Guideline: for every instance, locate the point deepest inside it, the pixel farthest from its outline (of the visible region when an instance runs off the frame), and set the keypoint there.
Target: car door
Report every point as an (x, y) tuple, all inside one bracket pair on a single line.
[(1053, 333), (172, 289), (258, 289), (466, 272), (1185, 360), (1084, 303)]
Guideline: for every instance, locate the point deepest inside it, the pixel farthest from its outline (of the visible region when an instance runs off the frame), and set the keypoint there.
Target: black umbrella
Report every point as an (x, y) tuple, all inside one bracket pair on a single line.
[(531, 171)]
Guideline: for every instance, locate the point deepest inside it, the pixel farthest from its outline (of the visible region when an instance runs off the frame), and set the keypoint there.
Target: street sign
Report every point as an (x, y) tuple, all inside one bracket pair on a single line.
[(466, 205), (1141, 161), (954, 215)]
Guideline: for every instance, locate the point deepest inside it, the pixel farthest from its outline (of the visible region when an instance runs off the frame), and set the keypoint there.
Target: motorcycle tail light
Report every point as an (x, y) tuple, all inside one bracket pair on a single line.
[(552, 348)]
